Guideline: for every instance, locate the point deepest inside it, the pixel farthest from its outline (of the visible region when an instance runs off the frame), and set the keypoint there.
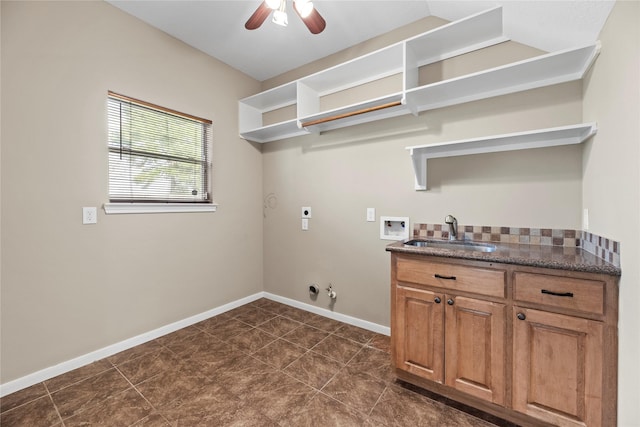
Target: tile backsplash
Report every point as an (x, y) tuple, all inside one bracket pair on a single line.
[(604, 248), (607, 249)]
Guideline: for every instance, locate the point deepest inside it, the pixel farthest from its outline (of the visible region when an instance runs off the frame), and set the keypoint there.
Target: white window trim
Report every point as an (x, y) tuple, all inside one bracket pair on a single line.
[(142, 208)]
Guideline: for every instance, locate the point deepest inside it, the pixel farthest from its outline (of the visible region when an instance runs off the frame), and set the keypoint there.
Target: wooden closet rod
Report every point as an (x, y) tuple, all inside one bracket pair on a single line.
[(352, 113)]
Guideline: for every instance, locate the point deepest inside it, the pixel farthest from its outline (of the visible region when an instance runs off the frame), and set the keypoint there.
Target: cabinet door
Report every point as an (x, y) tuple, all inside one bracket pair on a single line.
[(418, 333), (475, 356), (557, 367)]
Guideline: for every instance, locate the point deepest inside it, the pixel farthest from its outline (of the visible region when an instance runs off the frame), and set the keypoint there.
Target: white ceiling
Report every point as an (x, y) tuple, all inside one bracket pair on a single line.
[(216, 27)]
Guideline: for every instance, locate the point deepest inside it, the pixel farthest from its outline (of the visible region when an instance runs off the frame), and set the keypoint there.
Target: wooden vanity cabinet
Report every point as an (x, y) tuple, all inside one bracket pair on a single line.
[(474, 348), (419, 333), (557, 367), (564, 349), (535, 346), (448, 338)]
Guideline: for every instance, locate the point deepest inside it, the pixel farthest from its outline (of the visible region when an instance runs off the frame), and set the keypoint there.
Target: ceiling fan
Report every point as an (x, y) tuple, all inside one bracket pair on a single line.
[(304, 8)]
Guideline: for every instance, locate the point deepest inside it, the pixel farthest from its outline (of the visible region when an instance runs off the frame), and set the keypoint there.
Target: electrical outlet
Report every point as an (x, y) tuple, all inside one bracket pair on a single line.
[(305, 224), (89, 215), (306, 212)]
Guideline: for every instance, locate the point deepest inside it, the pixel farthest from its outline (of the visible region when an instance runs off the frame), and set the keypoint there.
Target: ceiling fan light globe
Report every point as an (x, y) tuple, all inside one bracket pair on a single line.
[(273, 4), (304, 7), (280, 18)]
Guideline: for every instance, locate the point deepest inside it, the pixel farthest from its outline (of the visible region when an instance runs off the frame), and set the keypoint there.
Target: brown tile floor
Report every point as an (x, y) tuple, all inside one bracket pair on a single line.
[(262, 364)]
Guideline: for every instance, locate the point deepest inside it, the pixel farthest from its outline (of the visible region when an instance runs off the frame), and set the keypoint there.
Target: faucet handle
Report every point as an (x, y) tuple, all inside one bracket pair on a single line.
[(453, 226)]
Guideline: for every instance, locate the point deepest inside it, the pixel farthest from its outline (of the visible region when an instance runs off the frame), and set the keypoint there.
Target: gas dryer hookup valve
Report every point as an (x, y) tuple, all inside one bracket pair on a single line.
[(332, 294)]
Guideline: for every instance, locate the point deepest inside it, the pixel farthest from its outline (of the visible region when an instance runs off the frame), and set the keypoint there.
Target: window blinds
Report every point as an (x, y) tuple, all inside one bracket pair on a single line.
[(156, 154)]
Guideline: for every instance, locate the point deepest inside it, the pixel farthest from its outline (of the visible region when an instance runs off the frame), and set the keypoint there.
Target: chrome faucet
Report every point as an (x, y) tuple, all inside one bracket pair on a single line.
[(453, 226)]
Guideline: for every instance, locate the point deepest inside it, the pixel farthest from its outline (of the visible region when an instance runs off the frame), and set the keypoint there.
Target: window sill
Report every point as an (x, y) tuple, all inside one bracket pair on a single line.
[(138, 208)]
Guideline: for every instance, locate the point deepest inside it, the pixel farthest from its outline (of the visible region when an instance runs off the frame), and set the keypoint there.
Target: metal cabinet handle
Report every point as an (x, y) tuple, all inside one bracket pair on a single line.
[(557, 294), (521, 316), (437, 300), (439, 276), (450, 301)]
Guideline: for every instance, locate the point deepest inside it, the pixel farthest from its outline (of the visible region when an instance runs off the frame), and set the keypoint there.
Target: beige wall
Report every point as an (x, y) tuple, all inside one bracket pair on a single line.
[(67, 288), (611, 183), (342, 172)]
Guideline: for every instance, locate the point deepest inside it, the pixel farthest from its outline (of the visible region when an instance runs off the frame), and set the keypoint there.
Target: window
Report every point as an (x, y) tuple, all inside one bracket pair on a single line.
[(156, 155)]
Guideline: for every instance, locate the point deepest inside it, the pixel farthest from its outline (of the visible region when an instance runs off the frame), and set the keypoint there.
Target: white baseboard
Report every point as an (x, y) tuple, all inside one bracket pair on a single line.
[(370, 326), (78, 362)]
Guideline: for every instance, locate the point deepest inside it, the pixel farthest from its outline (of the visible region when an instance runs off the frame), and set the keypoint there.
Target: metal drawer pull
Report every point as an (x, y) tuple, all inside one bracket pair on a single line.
[(438, 276), (558, 294), (437, 300), (521, 316)]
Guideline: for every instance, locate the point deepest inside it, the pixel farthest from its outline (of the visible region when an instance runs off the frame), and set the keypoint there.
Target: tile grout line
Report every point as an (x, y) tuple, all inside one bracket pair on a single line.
[(349, 407), (334, 374), (28, 401), (308, 350), (386, 387), (368, 414), (276, 315), (318, 390), (53, 403), (154, 409)]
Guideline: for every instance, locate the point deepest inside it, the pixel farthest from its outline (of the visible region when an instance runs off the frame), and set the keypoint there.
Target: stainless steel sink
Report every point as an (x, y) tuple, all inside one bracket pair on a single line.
[(454, 245)]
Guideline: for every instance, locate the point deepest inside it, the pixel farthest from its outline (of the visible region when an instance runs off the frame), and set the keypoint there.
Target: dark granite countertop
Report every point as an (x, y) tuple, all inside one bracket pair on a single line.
[(557, 257)]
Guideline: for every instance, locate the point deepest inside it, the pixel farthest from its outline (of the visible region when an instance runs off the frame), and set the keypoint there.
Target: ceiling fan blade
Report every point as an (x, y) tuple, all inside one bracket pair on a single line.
[(258, 17), (314, 22)]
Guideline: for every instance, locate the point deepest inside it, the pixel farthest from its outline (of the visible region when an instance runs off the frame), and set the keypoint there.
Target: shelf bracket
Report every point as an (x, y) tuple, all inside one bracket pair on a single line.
[(538, 138), (419, 169)]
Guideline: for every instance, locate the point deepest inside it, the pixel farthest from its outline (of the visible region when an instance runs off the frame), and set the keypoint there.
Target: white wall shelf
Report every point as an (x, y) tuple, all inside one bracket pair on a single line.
[(405, 59), (275, 132), (458, 37), (364, 69), (551, 137), (544, 70), (468, 34), (252, 109)]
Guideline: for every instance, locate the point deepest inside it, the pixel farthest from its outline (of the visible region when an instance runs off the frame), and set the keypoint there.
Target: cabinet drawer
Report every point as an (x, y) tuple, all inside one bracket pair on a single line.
[(565, 292), (456, 277)]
